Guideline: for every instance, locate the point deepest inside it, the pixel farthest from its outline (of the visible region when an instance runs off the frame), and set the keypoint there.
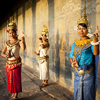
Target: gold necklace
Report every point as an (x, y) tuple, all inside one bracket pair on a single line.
[(83, 42)]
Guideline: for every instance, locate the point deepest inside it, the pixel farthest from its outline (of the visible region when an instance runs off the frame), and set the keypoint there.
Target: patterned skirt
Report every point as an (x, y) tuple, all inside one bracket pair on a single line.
[(13, 71)]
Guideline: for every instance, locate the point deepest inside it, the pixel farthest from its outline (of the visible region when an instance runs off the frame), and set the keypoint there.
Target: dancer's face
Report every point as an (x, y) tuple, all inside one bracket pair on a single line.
[(12, 34), (44, 37), (82, 31)]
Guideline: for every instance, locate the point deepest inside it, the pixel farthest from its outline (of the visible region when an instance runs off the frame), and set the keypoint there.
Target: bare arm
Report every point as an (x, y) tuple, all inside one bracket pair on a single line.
[(37, 53), (23, 45), (96, 47), (4, 51)]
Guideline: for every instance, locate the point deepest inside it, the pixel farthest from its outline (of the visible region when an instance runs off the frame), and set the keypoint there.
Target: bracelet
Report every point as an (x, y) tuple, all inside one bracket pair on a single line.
[(97, 43), (23, 41), (37, 52)]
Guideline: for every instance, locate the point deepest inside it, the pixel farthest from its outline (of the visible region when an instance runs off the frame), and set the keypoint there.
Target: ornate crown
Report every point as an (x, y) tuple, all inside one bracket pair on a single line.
[(44, 30), (11, 25), (83, 17)]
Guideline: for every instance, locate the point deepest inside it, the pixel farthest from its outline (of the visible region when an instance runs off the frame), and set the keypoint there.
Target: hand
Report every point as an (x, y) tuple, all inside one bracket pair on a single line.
[(36, 53), (97, 32), (40, 39), (23, 35), (74, 62), (9, 54)]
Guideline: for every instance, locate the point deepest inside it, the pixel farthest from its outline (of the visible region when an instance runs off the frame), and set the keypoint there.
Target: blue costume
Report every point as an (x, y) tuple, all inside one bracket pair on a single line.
[(84, 85)]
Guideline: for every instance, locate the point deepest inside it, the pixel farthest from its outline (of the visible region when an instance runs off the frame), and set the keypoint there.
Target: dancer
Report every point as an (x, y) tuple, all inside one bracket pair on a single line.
[(13, 60), (43, 57), (82, 56)]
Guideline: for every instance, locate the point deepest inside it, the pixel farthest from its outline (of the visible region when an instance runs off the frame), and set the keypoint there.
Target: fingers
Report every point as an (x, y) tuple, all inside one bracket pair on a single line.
[(23, 35), (77, 65), (74, 59), (95, 33), (74, 62), (99, 32), (97, 27), (71, 60), (35, 52)]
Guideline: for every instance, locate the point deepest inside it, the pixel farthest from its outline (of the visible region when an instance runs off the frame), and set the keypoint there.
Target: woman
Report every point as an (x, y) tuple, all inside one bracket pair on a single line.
[(43, 57), (82, 59), (13, 60)]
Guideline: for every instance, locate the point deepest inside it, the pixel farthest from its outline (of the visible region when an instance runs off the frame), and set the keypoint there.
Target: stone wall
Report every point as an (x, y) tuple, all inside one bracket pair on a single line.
[(60, 16)]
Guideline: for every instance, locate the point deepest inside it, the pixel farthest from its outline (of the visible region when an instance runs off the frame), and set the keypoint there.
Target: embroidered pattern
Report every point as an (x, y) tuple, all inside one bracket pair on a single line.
[(14, 44), (84, 42), (81, 45)]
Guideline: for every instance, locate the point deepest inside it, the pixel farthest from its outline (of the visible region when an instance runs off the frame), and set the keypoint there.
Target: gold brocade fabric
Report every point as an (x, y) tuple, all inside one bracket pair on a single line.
[(80, 44), (12, 66), (14, 44), (13, 62)]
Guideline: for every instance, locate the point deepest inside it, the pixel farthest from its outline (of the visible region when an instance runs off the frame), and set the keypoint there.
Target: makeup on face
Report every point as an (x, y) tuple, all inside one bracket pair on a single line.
[(82, 31), (44, 37), (12, 34)]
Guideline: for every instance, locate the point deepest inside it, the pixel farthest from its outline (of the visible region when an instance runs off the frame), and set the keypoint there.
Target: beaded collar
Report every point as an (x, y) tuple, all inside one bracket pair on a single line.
[(11, 45), (83, 42)]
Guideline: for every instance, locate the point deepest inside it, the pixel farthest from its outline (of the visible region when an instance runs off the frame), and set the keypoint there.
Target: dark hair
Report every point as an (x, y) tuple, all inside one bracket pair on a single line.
[(14, 30), (83, 24)]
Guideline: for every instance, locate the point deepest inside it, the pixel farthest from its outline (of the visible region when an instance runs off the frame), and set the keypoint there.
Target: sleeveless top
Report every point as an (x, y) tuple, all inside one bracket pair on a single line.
[(14, 49), (43, 53)]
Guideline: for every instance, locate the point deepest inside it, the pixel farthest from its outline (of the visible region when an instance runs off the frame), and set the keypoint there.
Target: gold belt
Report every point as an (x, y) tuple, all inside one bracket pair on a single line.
[(81, 72), (45, 57), (13, 62)]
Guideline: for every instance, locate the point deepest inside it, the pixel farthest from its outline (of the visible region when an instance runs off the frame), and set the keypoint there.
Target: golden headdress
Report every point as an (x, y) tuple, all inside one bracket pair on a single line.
[(44, 30), (83, 17), (11, 25)]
